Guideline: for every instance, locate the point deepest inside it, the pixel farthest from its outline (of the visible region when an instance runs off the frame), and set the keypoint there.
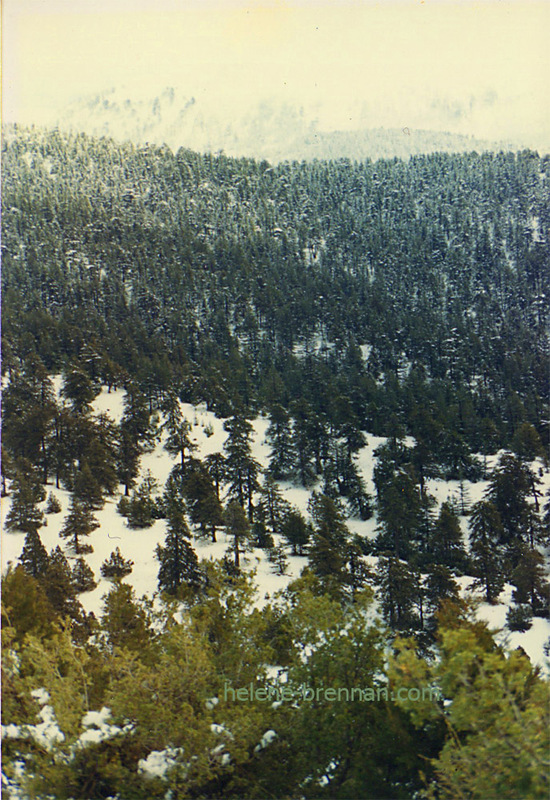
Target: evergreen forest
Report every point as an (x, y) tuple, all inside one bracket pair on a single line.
[(384, 324)]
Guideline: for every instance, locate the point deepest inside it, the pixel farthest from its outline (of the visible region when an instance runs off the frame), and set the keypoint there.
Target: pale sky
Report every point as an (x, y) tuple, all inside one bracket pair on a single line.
[(474, 67)]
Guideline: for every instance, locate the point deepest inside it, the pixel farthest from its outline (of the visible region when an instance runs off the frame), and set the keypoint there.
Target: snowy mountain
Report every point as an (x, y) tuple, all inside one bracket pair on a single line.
[(270, 129)]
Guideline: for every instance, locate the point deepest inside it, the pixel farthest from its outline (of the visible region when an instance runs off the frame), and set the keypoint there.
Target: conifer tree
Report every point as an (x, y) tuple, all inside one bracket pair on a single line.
[(59, 587), (278, 558), (178, 561), (439, 585), (140, 508), (27, 491), (399, 592), (274, 503), (446, 540), (215, 464), (178, 442), (242, 470), (328, 547), (79, 523), (83, 577), (87, 489), (509, 486), (116, 567), (34, 557), (54, 506), (486, 533), (238, 529), (124, 619), (203, 506), (279, 435), (296, 531), (529, 578)]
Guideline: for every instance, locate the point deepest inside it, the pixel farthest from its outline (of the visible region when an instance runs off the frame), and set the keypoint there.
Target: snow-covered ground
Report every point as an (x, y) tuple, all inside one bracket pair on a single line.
[(209, 435)]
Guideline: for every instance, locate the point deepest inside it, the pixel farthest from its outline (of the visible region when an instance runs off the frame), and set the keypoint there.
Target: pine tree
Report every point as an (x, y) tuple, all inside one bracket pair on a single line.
[(58, 585), (446, 540), (80, 522), (178, 561), (439, 585), (124, 620), (79, 389), (215, 464), (27, 492), (529, 578), (34, 557), (238, 528), (486, 533), (242, 470), (178, 442), (87, 489), (400, 512), (54, 506), (203, 505), (275, 505), (509, 486), (83, 577), (296, 531), (140, 508), (328, 547), (279, 435), (399, 592), (116, 567)]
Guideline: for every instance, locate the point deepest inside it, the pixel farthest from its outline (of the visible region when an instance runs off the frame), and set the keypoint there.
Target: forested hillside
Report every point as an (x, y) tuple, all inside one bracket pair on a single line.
[(334, 371), (241, 283)]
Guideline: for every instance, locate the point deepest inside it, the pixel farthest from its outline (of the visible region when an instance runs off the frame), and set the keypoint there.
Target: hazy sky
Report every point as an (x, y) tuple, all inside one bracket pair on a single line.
[(474, 67)]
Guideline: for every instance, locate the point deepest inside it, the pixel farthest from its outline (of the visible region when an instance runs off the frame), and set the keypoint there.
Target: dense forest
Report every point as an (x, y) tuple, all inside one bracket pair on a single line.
[(339, 300)]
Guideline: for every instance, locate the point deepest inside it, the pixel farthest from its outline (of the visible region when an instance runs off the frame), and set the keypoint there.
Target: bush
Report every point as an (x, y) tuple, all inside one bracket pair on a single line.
[(54, 506), (519, 618)]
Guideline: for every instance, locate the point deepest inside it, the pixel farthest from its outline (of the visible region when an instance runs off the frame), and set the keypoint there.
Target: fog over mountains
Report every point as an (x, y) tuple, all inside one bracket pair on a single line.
[(274, 129)]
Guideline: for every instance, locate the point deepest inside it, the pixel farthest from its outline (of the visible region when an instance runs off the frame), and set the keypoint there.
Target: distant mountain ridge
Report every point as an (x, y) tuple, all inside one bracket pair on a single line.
[(272, 129)]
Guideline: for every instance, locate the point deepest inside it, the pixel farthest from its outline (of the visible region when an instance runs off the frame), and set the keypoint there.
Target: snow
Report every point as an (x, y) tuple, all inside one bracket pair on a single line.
[(158, 762), (41, 696), (268, 737), (47, 733), (209, 435)]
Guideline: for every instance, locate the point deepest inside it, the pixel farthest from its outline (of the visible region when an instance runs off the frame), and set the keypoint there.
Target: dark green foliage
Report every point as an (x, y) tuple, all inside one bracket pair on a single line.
[(53, 506), (124, 620), (79, 523), (446, 546), (116, 566), (519, 618), (34, 557), (241, 469), (203, 505), (59, 587), (328, 547), (279, 435), (529, 578), (509, 487), (238, 528), (27, 492), (139, 508), (399, 589), (79, 389), (83, 577), (179, 565), (296, 531), (486, 532)]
